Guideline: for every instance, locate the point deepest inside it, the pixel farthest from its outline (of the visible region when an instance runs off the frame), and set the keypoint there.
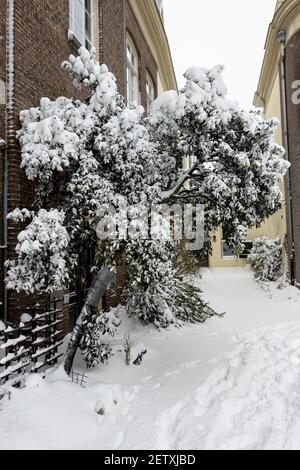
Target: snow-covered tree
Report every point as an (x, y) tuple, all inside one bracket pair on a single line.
[(84, 156), (235, 163), (266, 258)]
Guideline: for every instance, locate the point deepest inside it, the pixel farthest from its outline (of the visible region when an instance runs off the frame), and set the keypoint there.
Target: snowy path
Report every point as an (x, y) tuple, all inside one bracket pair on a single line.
[(233, 383)]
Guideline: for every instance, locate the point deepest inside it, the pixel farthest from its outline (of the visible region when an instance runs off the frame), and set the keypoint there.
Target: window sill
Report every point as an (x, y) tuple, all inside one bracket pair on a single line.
[(73, 39)]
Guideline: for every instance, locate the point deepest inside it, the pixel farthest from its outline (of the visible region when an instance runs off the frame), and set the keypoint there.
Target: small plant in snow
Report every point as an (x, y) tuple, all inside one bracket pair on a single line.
[(100, 410), (127, 346), (95, 350), (266, 258), (139, 359), (5, 393)]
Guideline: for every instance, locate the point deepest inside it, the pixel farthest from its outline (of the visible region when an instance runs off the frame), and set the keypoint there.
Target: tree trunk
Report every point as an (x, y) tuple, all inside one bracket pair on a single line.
[(98, 288)]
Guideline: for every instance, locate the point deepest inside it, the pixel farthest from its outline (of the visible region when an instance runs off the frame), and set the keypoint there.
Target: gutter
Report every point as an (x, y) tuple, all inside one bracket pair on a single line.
[(281, 36)]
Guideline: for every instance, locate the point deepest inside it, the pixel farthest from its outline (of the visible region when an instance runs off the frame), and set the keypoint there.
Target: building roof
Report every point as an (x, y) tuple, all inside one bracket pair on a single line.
[(285, 11), (151, 22)]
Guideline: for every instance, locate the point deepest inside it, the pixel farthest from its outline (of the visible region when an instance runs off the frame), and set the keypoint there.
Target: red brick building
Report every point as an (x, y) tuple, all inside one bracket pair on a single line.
[(35, 37)]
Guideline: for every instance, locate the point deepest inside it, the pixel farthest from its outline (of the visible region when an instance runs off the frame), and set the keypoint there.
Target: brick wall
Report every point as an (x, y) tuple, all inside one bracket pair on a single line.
[(293, 73), (41, 44), (112, 45)]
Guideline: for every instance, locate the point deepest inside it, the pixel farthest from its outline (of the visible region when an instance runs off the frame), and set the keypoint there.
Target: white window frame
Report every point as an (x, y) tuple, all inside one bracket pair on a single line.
[(132, 72), (150, 91), (77, 30)]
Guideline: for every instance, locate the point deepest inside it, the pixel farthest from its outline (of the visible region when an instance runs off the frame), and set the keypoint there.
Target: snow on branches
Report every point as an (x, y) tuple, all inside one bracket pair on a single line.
[(42, 252), (266, 258), (48, 144), (101, 83), (236, 164)]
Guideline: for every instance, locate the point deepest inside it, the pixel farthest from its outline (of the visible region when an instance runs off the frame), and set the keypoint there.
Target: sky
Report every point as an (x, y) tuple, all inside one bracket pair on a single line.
[(229, 32)]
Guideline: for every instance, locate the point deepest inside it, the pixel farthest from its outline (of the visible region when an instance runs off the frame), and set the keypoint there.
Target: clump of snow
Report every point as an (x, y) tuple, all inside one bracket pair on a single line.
[(34, 381), (208, 79), (48, 142), (26, 318), (20, 215), (169, 102), (2, 326), (87, 72), (109, 401), (205, 88)]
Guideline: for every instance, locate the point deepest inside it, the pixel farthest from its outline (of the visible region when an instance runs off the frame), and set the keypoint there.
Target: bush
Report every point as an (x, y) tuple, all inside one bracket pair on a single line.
[(266, 258), (97, 326)]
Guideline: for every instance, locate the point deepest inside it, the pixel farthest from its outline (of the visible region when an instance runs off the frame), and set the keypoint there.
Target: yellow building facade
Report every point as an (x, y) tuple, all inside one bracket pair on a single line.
[(267, 97), (277, 94)]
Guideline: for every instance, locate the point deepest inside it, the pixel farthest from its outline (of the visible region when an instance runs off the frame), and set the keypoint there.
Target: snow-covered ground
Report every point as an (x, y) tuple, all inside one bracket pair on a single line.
[(232, 383)]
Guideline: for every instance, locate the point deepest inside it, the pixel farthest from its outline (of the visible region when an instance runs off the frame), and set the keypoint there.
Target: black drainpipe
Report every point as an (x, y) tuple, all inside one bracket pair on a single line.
[(281, 36)]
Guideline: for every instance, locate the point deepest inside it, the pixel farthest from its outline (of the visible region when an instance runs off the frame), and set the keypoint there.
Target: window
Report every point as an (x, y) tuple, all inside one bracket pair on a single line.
[(150, 91), (227, 251), (132, 71), (88, 23), (81, 21)]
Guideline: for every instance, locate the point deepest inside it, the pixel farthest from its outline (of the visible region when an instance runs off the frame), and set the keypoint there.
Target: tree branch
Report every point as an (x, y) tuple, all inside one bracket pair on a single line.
[(168, 195)]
